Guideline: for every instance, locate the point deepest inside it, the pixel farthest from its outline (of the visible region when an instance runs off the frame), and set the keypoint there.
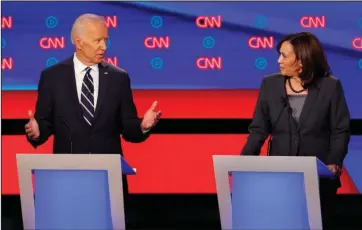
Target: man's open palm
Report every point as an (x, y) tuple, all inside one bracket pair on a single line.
[(32, 127)]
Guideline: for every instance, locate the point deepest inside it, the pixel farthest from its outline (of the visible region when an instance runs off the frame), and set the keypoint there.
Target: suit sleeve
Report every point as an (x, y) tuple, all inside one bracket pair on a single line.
[(259, 127), (131, 124), (340, 127), (43, 111)]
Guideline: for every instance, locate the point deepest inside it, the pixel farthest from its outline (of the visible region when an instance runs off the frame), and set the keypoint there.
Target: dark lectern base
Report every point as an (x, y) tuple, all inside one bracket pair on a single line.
[(186, 212)]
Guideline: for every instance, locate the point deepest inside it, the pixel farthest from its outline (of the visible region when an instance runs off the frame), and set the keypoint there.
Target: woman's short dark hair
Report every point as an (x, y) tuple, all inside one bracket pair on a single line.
[(309, 51)]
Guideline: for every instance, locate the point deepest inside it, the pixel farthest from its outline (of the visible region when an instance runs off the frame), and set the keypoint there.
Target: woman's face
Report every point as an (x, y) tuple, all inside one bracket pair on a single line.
[(288, 64)]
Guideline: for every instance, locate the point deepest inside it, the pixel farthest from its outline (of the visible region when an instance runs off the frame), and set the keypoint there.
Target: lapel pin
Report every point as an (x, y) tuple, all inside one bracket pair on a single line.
[(105, 72)]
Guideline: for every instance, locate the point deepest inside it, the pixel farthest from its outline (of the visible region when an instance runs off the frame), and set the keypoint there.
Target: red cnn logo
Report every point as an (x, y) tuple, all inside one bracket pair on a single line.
[(7, 63), (208, 22), (52, 43), (112, 60), (6, 22), (357, 43), (313, 22), (111, 21), (204, 63), (157, 42), (261, 42)]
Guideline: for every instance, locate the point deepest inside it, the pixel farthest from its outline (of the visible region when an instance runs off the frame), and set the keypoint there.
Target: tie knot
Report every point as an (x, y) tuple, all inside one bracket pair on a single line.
[(88, 69)]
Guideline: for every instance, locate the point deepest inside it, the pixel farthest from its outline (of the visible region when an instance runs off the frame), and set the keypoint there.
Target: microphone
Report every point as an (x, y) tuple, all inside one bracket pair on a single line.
[(290, 114), (70, 133), (285, 104)]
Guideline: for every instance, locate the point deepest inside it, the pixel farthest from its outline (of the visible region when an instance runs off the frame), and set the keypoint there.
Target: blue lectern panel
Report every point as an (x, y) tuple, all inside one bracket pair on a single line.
[(126, 168), (72, 200), (323, 171), (269, 200)]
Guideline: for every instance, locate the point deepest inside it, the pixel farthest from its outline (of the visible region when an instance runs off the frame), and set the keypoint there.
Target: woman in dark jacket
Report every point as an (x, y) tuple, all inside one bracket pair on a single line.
[(304, 110)]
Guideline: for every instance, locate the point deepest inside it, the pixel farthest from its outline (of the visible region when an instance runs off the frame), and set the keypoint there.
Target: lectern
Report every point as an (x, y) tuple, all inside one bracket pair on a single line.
[(72, 191), (273, 192)]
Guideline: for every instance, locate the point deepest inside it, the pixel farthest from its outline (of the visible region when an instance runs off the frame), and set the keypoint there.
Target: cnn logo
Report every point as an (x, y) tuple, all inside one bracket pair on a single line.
[(261, 42), (204, 22), (212, 63), (6, 22), (313, 21), (7, 63), (157, 42), (357, 43), (52, 43)]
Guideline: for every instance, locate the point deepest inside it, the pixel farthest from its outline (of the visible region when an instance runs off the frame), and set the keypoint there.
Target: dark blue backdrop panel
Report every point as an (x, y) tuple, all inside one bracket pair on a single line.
[(242, 67)]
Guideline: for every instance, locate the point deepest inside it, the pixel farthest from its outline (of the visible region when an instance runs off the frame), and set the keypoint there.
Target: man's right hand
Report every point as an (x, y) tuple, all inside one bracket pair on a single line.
[(32, 127)]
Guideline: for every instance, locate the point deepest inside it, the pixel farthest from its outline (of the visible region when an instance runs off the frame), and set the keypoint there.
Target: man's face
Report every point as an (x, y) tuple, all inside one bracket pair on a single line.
[(93, 42)]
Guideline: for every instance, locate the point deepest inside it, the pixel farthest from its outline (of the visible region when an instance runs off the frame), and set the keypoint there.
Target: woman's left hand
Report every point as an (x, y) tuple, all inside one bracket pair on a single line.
[(334, 168)]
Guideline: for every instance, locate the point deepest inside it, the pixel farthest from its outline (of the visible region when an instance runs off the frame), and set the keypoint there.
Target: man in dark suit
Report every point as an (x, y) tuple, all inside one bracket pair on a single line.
[(86, 103)]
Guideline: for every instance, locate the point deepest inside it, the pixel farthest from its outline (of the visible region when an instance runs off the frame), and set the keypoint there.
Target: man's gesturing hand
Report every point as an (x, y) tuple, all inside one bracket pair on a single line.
[(32, 127), (151, 117)]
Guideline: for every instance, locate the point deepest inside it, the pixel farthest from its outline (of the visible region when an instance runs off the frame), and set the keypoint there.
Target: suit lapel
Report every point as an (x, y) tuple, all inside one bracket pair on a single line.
[(280, 93), (103, 86), (72, 88), (281, 89), (308, 104)]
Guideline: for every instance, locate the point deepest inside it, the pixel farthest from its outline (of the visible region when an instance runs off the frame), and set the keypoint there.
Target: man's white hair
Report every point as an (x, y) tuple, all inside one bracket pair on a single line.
[(81, 22)]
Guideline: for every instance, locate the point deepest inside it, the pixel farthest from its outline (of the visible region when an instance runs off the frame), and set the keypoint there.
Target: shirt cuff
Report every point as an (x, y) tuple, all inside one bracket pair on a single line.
[(144, 131), (33, 139)]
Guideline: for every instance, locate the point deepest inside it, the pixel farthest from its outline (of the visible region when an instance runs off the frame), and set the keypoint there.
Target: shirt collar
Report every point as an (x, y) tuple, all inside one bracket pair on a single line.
[(80, 67)]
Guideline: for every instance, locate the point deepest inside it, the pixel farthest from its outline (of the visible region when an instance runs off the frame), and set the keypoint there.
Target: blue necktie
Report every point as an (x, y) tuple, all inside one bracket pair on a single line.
[(87, 97)]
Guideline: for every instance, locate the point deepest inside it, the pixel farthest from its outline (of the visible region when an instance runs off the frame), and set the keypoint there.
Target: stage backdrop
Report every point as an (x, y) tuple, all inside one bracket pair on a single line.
[(184, 45), (179, 46)]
